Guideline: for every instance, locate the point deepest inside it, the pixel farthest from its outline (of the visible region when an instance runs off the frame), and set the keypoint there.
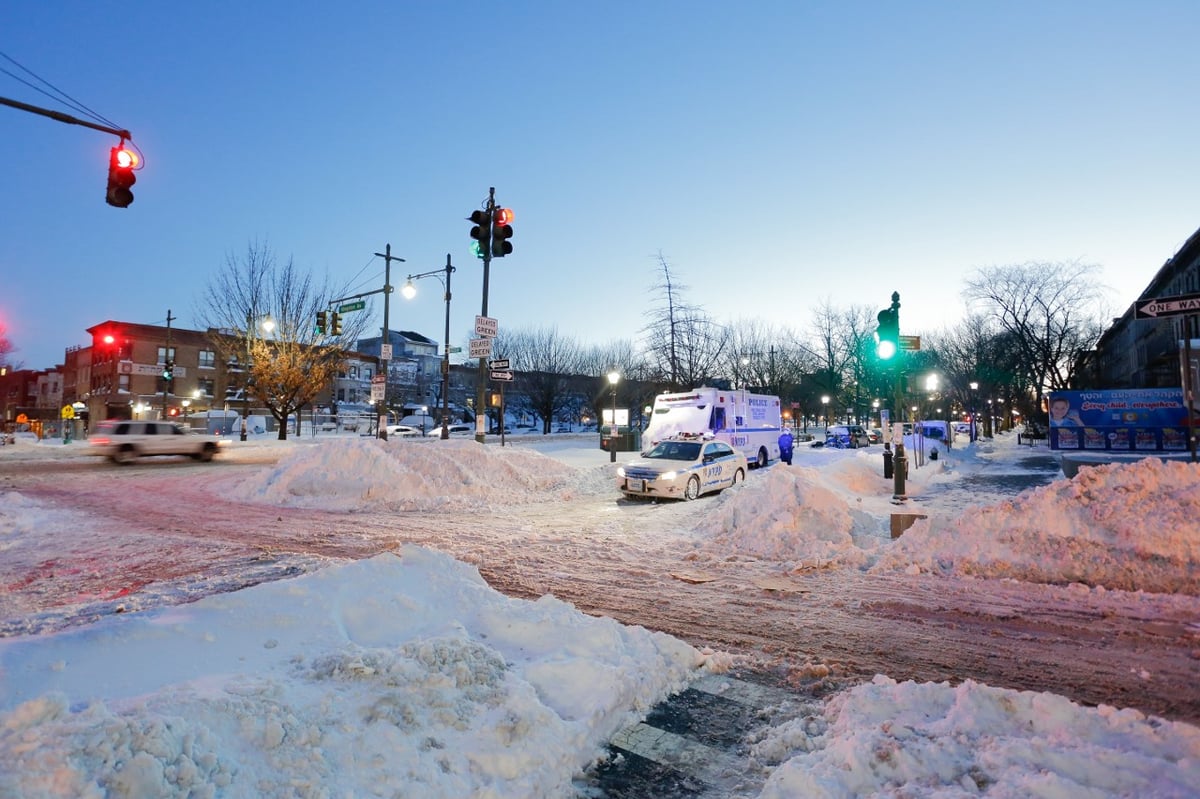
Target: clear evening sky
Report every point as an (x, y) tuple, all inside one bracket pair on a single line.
[(779, 154)]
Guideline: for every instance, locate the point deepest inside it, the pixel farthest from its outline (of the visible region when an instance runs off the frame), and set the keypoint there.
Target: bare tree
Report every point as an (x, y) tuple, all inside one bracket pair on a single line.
[(544, 362), (1052, 311), (682, 341), (290, 365), (6, 347)]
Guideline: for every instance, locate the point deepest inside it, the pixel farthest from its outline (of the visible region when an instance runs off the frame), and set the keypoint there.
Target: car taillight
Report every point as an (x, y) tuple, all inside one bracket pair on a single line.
[(100, 440)]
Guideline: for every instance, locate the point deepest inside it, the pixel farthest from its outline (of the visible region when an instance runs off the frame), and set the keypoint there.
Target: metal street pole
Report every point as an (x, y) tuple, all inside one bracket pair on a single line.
[(385, 343), (481, 380), (409, 291)]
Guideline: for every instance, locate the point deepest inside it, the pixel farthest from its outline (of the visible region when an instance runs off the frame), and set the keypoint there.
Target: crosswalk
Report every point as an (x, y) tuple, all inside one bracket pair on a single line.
[(697, 742)]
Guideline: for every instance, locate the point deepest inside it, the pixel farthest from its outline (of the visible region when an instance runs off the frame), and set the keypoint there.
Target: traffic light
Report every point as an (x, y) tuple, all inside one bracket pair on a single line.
[(501, 233), (172, 411), (121, 163), (168, 372), (481, 233), (321, 323), (335, 324), (887, 335)]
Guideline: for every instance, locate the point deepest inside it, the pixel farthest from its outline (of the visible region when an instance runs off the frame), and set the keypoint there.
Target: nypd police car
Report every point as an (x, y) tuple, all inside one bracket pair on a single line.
[(682, 467)]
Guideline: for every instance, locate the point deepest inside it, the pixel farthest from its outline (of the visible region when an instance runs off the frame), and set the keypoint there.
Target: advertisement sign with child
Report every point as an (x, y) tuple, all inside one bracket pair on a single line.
[(1119, 420)]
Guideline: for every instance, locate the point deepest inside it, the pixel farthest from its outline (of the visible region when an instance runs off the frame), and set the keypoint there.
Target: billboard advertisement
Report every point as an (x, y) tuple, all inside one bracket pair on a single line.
[(1119, 420)]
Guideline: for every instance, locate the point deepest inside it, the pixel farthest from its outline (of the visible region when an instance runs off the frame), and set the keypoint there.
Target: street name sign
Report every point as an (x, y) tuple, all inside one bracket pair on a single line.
[(1169, 306), (486, 326), (910, 343), (500, 364), (503, 376), (352, 306), (480, 348)]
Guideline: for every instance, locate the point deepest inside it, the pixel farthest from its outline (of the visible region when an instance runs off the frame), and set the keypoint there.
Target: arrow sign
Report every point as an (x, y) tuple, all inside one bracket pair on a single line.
[(500, 364), (1169, 306), (504, 376)]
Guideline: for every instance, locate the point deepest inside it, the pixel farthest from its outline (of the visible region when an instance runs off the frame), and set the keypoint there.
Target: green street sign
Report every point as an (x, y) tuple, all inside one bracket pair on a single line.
[(352, 306)]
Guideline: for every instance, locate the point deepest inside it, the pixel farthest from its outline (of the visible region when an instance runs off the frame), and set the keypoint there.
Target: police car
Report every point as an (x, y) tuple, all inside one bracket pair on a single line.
[(682, 467)]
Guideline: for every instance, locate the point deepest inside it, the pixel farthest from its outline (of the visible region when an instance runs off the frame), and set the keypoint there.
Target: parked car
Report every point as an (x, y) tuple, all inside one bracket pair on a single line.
[(847, 436), (403, 431), (457, 430), (125, 440), (875, 434), (682, 468)]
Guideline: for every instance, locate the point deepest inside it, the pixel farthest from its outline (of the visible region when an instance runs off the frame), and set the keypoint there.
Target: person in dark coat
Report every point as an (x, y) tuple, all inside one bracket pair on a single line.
[(785, 446)]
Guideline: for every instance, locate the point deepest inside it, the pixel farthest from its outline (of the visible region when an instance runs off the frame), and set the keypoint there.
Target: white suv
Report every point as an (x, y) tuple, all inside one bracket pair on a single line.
[(124, 440)]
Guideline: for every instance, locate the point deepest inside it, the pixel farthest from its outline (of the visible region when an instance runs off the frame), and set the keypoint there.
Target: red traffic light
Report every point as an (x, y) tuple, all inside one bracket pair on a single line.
[(108, 339), (504, 216), (126, 158), (121, 163)]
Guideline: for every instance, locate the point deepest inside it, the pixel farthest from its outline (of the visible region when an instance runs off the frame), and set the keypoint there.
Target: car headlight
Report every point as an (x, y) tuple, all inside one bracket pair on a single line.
[(668, 475), (620, 471)]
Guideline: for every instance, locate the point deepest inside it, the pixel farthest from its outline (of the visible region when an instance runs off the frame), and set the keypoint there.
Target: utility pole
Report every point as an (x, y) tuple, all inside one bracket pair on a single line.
[(385, 346)]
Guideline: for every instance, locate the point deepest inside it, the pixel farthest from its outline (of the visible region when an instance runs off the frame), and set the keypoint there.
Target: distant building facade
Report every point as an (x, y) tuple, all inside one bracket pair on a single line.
[(1144, 353)]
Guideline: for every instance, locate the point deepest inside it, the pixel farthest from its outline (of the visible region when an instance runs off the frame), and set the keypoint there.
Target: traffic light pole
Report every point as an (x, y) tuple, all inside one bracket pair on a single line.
[(70, 120), (482, 379), (168, 366)]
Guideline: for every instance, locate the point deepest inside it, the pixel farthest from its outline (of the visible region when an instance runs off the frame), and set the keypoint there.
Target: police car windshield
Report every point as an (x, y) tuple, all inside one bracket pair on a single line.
[(676, 451)]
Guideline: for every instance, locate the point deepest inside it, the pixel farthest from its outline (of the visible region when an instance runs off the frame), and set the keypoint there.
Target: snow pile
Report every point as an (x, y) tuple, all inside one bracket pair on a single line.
[(909, 739), (785, 515), (390, 676), (406, 474), (1130, 526)]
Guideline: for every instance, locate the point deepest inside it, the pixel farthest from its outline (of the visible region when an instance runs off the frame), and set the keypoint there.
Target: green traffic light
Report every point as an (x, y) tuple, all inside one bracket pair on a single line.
[(885, 349)]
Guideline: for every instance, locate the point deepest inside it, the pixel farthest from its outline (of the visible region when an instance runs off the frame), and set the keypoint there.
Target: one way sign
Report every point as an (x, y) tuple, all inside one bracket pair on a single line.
[(1169, 306)]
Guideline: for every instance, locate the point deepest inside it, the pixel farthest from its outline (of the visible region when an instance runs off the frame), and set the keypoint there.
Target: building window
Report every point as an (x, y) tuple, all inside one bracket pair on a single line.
[(206, 386), (164, 354), (122, 384), (354, 372), (208, 359)]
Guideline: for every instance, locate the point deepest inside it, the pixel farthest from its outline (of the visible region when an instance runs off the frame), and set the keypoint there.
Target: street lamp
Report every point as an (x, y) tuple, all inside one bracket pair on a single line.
[(974, 410), (613, 378), (825, 409), (187, 417), (409, 291), (267, 324)]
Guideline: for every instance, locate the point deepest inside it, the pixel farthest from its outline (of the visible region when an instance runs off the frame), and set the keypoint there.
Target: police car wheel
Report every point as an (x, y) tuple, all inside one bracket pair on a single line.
[(693, 488)]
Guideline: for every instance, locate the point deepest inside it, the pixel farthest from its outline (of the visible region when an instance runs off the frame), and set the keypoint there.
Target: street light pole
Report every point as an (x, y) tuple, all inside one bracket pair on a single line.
[(268, 326), (613, 377), (410, 291)]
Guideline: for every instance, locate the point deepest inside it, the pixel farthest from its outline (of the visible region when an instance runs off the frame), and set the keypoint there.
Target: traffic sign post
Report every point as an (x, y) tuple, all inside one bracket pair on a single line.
[(1168, 306), (351, 306), (486, 326), (480, 348), (499, 365), (910, 343), (504, 377)]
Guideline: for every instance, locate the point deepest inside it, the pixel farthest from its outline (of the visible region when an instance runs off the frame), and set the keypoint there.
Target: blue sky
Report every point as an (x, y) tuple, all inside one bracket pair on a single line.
[(779, 154)]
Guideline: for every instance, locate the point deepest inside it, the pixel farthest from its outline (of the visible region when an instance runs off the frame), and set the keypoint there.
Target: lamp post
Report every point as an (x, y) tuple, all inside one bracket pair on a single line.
[(187, 414), (825, 410), (409, 291), (613, 378), (974, 410), (267, 325)]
